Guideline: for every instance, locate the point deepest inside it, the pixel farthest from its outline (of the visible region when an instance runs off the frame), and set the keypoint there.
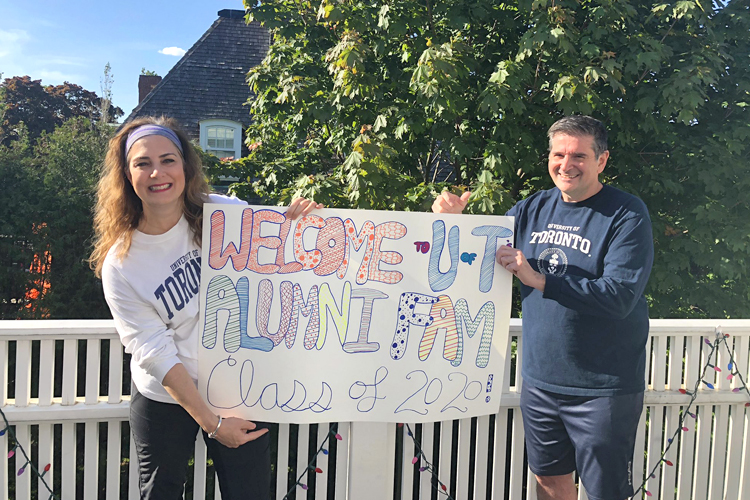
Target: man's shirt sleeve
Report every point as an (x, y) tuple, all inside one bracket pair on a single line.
[(627, 266)]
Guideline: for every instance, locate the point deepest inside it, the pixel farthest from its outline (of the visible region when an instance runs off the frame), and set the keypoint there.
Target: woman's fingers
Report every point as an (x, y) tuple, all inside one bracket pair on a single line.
[(294, 208), (252, 436), (301, 207), (235, 432), (311, 205)]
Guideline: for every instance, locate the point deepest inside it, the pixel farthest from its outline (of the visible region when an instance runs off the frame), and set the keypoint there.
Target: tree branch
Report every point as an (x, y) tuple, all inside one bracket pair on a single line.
[(661, 41), (430, 161), (429, 18)]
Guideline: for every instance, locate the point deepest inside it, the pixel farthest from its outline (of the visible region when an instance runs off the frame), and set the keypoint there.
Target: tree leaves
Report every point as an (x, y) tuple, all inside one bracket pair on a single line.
[(363, 105), (46, 214), (42, 108)]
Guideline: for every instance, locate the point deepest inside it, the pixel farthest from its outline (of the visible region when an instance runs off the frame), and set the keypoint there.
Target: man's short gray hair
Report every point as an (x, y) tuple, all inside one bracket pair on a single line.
[(579, 126)]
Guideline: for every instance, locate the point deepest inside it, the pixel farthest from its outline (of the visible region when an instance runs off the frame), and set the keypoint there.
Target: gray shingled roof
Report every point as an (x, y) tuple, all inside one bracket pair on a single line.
[(210, 79)]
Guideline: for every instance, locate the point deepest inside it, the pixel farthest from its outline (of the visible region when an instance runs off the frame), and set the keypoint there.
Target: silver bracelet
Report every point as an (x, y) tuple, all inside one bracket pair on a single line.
[(212, 435)]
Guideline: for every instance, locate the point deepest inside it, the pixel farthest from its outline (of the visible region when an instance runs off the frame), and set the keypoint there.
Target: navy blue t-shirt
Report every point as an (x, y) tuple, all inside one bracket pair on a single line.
[(586, 334)]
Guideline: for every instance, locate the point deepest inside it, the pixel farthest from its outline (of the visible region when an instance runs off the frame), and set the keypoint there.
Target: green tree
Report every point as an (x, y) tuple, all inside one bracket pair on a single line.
[(46, 223), (18, 238), (357, 103), (70, 160)]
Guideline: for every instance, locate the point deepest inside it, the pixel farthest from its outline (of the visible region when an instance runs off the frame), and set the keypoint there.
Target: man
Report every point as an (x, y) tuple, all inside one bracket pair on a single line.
[(583, 255)]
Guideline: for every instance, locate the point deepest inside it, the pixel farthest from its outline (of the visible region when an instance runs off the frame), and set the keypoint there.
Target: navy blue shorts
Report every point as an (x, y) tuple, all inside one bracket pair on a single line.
[(593, 435)]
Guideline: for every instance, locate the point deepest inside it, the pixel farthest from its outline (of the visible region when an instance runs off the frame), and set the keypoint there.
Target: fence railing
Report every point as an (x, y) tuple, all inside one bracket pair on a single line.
[(64, 388)]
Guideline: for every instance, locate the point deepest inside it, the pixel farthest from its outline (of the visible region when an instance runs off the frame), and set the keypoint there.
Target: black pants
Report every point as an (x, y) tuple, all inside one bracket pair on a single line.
[(164, 436)]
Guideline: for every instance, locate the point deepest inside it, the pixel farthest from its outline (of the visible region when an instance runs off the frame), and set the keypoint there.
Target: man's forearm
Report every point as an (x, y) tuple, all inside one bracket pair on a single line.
[(533, 279)]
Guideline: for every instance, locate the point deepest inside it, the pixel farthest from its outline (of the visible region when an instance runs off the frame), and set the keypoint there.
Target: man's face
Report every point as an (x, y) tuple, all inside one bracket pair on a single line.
[(574, 167)]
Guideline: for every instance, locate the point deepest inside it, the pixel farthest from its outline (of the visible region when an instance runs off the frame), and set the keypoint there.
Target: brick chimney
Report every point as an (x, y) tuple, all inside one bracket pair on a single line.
[(232, 14), (145, 84)]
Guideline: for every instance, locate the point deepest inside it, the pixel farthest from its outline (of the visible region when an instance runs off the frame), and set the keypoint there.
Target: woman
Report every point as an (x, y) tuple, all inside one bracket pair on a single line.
[(148, 228)]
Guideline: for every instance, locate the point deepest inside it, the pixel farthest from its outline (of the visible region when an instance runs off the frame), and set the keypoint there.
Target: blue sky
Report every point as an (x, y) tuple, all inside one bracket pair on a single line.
[(57, 41)]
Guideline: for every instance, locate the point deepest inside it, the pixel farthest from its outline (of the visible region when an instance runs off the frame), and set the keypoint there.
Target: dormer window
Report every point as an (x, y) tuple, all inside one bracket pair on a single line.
[(221, 138)]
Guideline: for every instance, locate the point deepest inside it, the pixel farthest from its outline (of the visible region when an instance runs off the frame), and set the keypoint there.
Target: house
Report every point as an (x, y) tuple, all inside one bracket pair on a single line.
[(207, 89)]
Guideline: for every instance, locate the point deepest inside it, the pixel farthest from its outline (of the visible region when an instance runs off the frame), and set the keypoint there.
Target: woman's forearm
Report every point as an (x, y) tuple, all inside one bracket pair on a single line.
[(179, 384)]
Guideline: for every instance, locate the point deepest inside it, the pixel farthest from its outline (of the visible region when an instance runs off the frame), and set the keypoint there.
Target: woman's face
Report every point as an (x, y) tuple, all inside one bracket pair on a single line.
[(156, 171)]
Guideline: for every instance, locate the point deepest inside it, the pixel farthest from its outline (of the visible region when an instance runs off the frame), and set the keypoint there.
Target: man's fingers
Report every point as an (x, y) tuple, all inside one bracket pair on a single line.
[(510, 265), (511, 259), (504, 251), (447, 202), (440, 206), (445, 198), (507, 261)]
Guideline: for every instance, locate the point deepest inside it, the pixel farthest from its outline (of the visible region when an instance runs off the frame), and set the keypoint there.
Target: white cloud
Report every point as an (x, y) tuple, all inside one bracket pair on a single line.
[(11, 39), (45, 23), (61, 61), (54, 77), (172, 51)]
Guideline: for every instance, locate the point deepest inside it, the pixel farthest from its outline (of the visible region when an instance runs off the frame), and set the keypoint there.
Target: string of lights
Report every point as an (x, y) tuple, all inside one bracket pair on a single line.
[(426, 466), (332, 431), (28, 464), (681, 427), (733, 371)]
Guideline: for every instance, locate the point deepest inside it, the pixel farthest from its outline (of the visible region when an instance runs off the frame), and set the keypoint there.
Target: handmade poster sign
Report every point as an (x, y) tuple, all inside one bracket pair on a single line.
[(352, 315)]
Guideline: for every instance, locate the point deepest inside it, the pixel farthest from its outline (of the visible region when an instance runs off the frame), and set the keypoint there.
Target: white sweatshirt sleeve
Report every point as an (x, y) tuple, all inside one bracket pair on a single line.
[(142, 331)]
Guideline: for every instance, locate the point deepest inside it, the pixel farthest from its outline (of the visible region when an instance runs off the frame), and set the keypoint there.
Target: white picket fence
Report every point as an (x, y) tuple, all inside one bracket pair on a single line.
[(70, 421)]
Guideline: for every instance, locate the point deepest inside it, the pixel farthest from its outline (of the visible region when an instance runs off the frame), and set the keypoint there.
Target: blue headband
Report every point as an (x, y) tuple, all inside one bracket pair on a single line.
[(151, 129)]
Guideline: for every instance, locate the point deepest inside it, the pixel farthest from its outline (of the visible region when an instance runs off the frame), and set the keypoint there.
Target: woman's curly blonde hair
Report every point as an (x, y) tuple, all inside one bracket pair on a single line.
[(118, 209)]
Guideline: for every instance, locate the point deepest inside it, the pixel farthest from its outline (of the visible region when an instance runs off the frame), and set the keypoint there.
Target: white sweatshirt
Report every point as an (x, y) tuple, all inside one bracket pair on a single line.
[(153, 296)]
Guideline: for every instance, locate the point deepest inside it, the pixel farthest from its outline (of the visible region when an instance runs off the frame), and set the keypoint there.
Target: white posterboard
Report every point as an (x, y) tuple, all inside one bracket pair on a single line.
[(352, 315)]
